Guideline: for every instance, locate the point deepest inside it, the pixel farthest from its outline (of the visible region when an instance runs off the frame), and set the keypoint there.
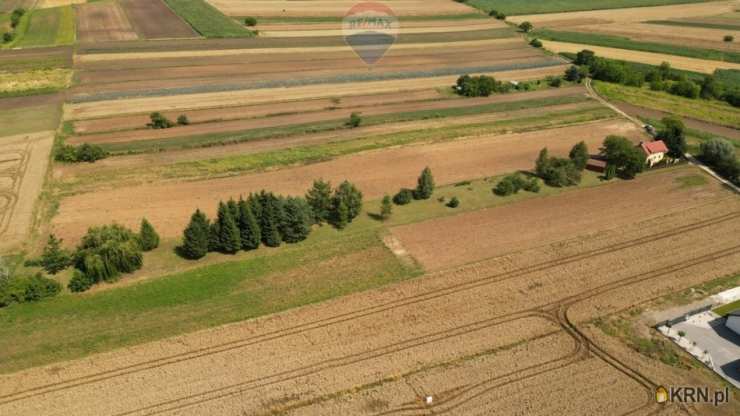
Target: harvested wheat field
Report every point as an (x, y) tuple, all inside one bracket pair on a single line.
[(152, 19), (679, 62), (335, 8), (488, 337), (105, 21), (292, 30), (170, 204)]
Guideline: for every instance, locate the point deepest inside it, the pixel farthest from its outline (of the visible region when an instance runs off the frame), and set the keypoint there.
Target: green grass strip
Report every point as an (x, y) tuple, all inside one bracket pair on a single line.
[(679, 23), (726, 309), (293, 130), (207, 20), (626, 43)]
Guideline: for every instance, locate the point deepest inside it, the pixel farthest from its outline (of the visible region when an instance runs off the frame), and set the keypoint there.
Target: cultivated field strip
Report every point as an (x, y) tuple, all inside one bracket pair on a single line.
[(426, 297), (338, 8), (185, 101)]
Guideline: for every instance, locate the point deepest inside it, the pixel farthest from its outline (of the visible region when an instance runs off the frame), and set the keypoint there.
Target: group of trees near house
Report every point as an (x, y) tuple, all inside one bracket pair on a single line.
[(424, 189), (480, 86), (267, 219), (661, 78), (561, 172), (516, 182), (673, 133), (720, 155), (623, 158)]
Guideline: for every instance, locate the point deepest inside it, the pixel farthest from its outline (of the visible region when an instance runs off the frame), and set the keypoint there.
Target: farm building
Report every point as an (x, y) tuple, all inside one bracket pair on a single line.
[(733, 321), (654, 151)]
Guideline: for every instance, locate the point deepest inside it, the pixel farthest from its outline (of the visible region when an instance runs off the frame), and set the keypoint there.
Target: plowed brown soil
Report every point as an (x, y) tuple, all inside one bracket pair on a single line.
[(152, 19), (493, 337), (98, 22), (170, 205)]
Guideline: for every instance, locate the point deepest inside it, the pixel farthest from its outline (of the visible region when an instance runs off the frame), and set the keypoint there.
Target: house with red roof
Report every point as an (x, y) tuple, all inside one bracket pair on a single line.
[(654, 151)]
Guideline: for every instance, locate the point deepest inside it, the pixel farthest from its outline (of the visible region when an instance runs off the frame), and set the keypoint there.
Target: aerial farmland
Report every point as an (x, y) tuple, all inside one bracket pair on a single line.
[(331, 207)]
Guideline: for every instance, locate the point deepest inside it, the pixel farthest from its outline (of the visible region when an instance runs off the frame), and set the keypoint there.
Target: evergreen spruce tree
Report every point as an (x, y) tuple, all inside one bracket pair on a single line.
[(352, 199), (543, 163), (214, 236), (228, 237), (249, 229), (54, 259), (270, 219), (386, 208), (319, 198), (425, 185), (340, 214), (148, 237), (579, 155), (296, 223), (233, 208), (195, 242)]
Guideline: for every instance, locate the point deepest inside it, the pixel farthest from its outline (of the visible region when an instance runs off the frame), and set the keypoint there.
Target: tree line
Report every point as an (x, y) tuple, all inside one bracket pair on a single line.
[(661, 78), (15, 20), (267, 219)]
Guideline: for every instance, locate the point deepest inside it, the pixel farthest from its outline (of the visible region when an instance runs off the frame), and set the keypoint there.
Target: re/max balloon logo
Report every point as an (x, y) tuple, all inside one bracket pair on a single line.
[(370, 29)]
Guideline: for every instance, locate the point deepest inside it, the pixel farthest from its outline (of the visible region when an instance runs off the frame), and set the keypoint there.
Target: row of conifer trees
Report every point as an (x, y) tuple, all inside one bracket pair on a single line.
[(267, 219)]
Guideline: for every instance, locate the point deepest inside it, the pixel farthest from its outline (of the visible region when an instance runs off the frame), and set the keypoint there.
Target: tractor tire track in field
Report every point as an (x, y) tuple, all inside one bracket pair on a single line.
[(360, 313), (556, 311)]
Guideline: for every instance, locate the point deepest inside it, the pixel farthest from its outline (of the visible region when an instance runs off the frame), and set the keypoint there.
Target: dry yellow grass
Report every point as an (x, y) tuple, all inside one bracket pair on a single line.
[(33, 80), (44, 4), (689, 64)]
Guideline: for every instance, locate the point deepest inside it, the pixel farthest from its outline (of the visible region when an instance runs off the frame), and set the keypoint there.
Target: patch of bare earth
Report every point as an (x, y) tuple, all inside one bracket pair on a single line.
[(97, 22)]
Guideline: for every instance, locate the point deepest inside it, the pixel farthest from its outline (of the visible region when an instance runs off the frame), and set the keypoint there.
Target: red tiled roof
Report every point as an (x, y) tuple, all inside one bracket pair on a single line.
[(657, 146)]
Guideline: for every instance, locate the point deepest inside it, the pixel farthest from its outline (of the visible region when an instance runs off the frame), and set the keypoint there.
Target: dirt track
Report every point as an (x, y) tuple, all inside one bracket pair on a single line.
[(169, 205), (499, 335)]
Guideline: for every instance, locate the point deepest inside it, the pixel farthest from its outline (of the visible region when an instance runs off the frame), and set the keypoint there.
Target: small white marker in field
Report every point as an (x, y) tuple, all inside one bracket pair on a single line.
[(428, 400)]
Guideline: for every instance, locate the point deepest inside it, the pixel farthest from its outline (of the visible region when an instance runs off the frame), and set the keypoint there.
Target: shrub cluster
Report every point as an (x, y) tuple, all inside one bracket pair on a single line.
[(480, 86), (83, 153), (497, 14), (250, 21), (27, 289), (159, 121), (720, 155), (514, 183), (622, 157), (674, 135), (15, 20), (424, 189), (560, 172)]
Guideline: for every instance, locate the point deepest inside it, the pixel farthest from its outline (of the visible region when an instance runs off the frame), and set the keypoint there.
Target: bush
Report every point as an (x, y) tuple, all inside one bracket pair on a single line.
[(536, 43), (532, 185), (573, 74), (354, 120), (79, 282), (685, 88), (729, 38), (183, 120), (496, 14), (250, 21), (403, 197), (85, 152), (27, 289), (717, 150), (454, 202), (8, 37), (526, 27), (554, 82), (512, 184), (158, 121)]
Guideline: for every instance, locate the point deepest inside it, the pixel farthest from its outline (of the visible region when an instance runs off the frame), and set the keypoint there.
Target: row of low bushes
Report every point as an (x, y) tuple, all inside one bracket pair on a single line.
[(15, 20)]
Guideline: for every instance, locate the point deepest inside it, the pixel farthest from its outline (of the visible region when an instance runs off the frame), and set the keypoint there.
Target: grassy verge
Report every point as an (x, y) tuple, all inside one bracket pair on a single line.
[(626, 43), (29, 119), (514, 7), (49, 27), (726, 309), (222, 289), (712, 111), (206, 140), (207, 20)]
